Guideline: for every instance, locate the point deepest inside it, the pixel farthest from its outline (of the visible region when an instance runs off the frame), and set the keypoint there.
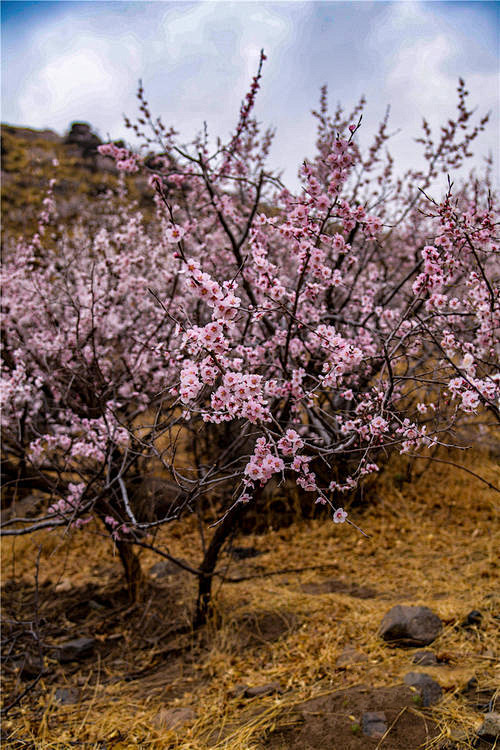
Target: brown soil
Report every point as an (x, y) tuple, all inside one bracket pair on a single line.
[(332, 721)]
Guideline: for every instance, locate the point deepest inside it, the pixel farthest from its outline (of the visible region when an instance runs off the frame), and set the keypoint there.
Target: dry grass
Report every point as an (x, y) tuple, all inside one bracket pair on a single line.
[(432, 541)]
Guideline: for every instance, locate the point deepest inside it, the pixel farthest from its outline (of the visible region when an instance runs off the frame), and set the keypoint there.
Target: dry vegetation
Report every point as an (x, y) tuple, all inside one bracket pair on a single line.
[(433, 540)]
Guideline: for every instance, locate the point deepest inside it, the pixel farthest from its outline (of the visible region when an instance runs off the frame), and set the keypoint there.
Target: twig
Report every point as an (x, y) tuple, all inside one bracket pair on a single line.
[(126, 501)]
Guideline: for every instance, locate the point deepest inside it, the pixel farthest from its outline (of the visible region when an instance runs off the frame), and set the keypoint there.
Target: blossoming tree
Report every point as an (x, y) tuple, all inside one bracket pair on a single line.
[(295, 337)]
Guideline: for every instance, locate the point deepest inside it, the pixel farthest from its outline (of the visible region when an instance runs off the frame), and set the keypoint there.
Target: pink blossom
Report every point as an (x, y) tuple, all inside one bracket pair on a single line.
[(339, 515), (174, 233), (470, 401), (378, 425)]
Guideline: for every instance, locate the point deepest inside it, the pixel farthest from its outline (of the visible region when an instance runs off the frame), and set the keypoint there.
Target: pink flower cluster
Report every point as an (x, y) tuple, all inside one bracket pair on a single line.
[(70, 504), (126, 161), (290, 443), (239, 396), (263, 464), (221, 299)]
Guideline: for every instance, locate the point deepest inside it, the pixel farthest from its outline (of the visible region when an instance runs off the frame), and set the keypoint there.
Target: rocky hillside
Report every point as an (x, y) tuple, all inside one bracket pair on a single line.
[(31, 158)]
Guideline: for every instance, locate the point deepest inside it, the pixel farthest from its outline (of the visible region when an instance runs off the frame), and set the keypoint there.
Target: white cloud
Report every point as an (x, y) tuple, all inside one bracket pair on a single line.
[(77, 79), (196, 61), (422, 57)]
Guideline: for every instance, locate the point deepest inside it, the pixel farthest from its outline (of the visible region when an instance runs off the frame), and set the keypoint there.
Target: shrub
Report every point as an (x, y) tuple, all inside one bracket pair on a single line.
[(251, 333)]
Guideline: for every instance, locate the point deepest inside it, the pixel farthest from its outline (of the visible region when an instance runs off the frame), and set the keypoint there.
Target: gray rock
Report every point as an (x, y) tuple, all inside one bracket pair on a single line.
[(474, 618), (430, 690), (81, 135), (374, 724), (424, 658), (75, 650), (67, 696), (490, 728), (457, 734), (27, 507), (410, 626)]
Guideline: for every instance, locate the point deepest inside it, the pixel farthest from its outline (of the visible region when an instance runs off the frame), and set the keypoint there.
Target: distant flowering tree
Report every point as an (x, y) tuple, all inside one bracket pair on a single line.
[(294, 337)]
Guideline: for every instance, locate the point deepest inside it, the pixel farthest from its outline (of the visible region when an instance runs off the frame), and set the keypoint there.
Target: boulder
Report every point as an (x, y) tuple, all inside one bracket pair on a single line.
[(81, 132), (81, 135), (410, 626)]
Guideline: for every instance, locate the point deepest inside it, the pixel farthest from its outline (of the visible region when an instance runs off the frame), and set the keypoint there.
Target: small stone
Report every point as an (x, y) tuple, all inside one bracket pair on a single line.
[(169, 718), (243, 553), (260, 690), (67, 695), (374, 724), (424, 658), (349, 656), (410, 626), (429, 689), (27, 507), (457, 734), (75, 650), (472, 684), (490, 728), (474, 618)]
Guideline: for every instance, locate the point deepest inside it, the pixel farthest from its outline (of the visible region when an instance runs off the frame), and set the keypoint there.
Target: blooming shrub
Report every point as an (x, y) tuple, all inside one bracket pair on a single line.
[(294, 336)]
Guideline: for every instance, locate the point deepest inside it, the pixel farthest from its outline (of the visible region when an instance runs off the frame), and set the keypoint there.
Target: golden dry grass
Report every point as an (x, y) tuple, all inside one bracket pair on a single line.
[(432, 541)]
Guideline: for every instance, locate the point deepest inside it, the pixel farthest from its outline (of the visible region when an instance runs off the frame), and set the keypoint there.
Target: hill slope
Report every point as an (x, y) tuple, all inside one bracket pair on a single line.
[(31, 158)]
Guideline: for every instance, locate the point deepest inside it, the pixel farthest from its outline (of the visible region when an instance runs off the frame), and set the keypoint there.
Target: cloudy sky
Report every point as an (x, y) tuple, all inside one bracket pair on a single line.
[(65, 61)]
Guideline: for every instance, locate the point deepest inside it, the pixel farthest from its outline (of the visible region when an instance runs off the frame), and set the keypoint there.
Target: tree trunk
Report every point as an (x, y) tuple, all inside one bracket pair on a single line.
[(130, 561), (132, 568), (224, 530)]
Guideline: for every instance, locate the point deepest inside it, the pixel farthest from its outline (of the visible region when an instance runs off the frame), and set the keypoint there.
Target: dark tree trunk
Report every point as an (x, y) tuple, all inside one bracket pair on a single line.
[(223, 531), (132, 568)]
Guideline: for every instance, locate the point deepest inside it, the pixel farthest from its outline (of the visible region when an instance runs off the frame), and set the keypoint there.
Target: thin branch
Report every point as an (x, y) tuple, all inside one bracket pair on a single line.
[(457, 466)]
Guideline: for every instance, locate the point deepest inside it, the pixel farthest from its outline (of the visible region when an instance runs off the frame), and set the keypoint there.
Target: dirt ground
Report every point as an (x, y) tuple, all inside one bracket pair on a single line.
[(292, 658)]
